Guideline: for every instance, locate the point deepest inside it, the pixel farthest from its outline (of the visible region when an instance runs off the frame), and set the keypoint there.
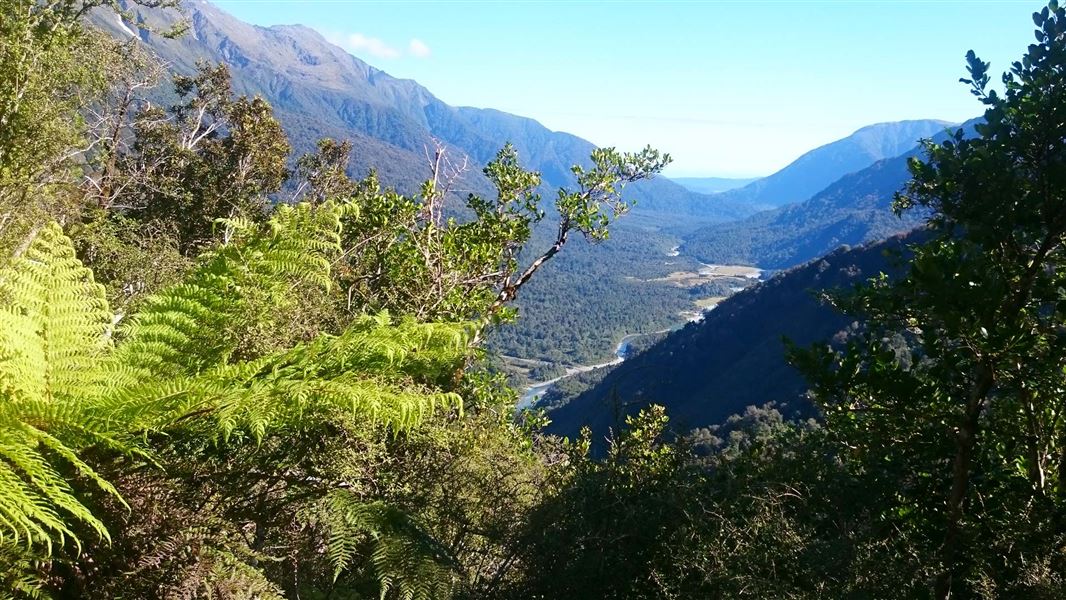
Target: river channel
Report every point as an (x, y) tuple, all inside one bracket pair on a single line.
[(535, 391), (705, 272)]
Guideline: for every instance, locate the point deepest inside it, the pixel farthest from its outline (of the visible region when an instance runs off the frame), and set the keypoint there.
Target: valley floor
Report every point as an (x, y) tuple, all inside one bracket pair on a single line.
[(727, 279)]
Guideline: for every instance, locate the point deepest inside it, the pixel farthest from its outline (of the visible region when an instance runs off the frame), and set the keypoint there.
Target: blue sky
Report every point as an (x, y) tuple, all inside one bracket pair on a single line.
[(729, 88)]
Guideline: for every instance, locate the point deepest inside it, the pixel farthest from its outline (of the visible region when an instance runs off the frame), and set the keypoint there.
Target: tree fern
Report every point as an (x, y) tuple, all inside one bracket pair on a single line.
[(369, 370), (53, 321), (67, 384), (195, 324), (54, 326), (406, 561)]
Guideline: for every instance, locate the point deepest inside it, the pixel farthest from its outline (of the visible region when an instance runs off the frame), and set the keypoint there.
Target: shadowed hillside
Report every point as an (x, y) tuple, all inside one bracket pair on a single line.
[(822, 166), (735, 357)]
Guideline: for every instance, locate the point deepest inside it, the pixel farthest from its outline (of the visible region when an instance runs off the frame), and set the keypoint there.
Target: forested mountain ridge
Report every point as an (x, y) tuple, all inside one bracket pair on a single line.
[(735, 356), (821, 166), (320, 90), (317, 90), (855, 209)]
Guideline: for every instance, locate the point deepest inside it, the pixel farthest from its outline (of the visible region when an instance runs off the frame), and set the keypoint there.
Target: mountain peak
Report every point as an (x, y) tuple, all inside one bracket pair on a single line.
[(818, 168), (318, 89), (904, 124)]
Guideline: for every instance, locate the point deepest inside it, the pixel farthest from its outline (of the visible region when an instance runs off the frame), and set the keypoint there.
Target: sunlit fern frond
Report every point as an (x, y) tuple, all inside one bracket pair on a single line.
[(66, 384), (194, 325), (54, 330), (173, 357), (282, 403), (63, 387), (54, 321), (377, 343), (406, 561), (377, 369)]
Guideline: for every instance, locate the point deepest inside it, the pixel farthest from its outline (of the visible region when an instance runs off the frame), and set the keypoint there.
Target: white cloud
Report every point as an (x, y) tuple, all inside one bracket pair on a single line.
[(358, 42), (418, 49), (363, 45)]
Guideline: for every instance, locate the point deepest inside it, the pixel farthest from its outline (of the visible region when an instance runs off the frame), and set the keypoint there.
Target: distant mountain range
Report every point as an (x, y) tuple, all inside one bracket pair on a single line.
[(735, 357), (812, 172), (319, 90), (712, 185), (853, 210)]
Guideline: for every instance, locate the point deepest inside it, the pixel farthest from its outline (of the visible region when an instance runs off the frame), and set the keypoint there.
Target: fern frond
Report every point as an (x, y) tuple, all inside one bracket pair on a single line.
[(173, 359), (195, 325), (66, 385), (376, 344), (19, 573), (53, 321), (233, 578), (54, 330), (406, 560), (200, 560), (281, 403), (372, 371)]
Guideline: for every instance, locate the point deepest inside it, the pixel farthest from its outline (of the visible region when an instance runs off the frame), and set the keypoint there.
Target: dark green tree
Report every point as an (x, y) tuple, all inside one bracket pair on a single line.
[(415, 255), (209, 156), (324, 174), (608, 532), (953, 394)]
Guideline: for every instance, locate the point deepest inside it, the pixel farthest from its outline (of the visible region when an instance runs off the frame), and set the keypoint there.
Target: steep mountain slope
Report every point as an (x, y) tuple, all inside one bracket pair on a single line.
[(320, 90), (853, 210), (822, 166), (735, 357)]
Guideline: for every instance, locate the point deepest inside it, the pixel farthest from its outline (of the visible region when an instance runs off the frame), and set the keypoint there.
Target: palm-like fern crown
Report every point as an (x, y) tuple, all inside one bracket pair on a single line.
[(67, 384)]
